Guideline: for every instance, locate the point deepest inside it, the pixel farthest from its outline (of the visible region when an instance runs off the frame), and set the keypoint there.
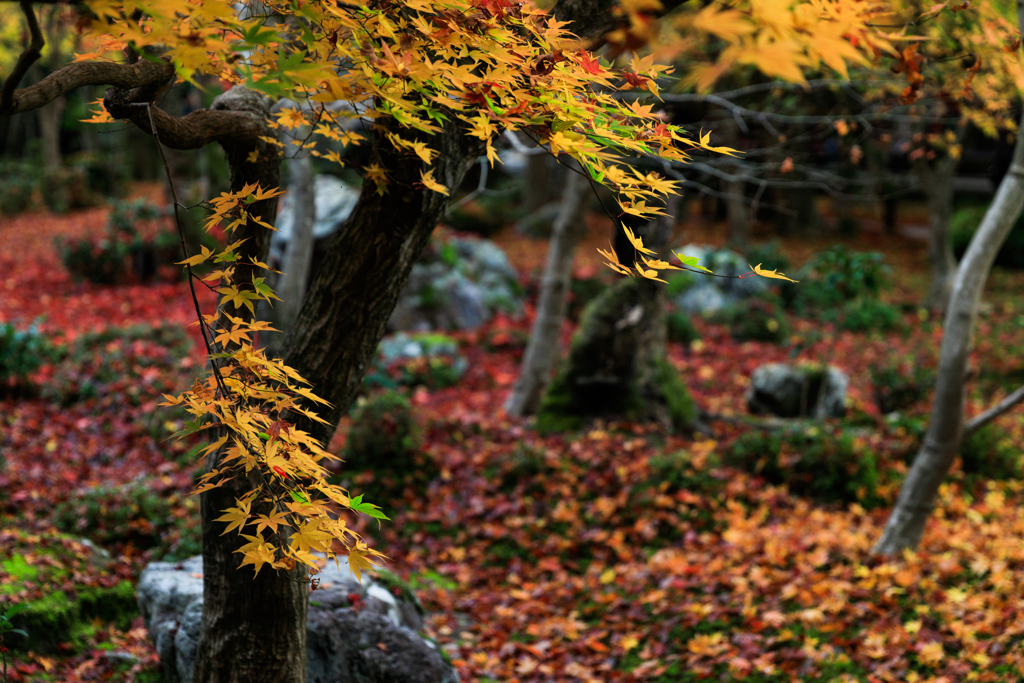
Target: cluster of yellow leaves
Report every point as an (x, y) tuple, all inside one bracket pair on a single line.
[(963, 52), (246, 398), (781, 38), (647, 265), (496, 65)]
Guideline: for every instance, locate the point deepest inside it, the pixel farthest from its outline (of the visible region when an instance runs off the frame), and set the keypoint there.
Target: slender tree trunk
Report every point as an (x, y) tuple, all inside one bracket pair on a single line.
[(298, 256), (536, 186), (942, 441), (738, 215), (49, 130), (938, 189), (542, 349)]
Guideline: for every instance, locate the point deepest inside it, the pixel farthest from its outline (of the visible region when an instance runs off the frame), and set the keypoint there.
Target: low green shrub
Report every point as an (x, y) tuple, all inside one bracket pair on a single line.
[(22, 352), (679, 282), (899, 384), (384, 434), (18, 187), (120, 360), (681, 328), (66, 188), (991, 453), (124, 253), (836, 276), (866, 314), (820, 461), (757, 319), (108, 515)]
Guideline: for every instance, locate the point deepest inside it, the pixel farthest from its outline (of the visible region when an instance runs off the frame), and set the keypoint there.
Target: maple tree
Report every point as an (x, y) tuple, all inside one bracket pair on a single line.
[(439, 80)]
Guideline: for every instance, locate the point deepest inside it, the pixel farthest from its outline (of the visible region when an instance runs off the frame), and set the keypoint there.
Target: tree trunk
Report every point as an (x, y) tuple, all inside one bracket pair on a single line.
[(367, 262), (938, 189), (942, 441), (617, 367), (542, 349), (254, 628), (298, 256), (49, 130), (536, 185), (738, 215)]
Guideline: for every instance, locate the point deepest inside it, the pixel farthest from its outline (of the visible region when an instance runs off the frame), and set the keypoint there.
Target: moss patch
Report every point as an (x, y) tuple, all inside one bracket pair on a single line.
[(617, 366), (37, 576)]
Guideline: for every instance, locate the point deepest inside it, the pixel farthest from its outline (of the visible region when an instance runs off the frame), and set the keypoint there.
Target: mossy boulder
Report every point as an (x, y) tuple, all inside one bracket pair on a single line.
[(617, 366), (40, 574)]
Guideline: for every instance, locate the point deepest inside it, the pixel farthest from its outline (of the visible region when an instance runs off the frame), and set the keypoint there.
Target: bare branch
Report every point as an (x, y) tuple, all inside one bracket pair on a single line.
[(26, 59), (79, 74), (979, 421)]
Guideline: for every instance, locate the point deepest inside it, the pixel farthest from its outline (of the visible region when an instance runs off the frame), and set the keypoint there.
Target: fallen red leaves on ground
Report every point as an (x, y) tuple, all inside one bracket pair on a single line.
[(576, 557)]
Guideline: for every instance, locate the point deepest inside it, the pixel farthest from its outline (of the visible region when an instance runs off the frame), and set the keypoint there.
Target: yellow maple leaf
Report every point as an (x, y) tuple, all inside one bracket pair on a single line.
[(770, 273), (637, 242), (359, 559), (256, 552), (658, 264), (427, 178), (649, 274)]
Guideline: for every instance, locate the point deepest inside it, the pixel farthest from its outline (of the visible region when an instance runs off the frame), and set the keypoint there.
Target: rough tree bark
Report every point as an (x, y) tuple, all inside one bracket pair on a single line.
[(938, 189), (942, 441), (542, 349), (367, 263)]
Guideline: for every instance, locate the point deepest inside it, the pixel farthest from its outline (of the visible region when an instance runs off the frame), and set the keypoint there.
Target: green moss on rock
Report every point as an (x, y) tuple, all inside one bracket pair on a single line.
[(617, 366)]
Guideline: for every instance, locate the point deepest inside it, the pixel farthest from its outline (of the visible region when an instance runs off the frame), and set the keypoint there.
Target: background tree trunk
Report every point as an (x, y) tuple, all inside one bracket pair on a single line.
[(942, 441), (938, 189), (536, 183), (298, 255), (617, 367), (543, 347)]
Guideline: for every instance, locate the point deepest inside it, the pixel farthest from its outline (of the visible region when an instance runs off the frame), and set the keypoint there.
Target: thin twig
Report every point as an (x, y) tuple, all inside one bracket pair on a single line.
[(979, 421)]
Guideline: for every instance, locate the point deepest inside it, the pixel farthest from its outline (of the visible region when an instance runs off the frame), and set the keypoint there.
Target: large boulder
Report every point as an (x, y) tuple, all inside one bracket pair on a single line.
[(709, 294), (458, 284), (355, 633), (789, 391), (335, 201)]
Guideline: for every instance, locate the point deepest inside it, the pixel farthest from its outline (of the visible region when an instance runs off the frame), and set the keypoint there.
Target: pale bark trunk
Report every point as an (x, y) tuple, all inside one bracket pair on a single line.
[(49, 130), (738, 215), (298, 256), (542, 349), (942, 441), (938, 188), (536, 189)]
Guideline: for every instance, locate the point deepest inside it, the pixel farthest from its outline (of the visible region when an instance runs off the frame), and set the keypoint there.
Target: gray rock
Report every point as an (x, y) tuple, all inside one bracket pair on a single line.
[(703, 298), (402, 347), (460, 290), (335, 201), (711, 294), (372, 638), (788, 391)]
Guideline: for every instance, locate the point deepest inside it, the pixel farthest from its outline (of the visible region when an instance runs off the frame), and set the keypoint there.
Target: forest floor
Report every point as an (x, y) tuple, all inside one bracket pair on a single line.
[(617, 554)]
